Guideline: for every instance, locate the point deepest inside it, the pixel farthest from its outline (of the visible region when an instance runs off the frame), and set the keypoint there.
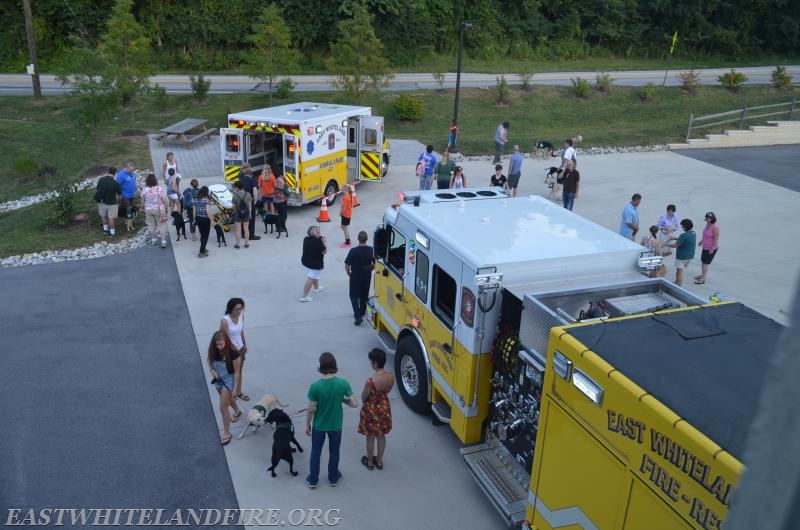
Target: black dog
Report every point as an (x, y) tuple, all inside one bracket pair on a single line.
[(282, 440), (271, 220), (545, 146), (220, 236), (180, 224)]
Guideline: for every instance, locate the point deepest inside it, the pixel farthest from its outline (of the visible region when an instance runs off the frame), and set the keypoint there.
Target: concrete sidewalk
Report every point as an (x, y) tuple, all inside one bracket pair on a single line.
[(425, 484)]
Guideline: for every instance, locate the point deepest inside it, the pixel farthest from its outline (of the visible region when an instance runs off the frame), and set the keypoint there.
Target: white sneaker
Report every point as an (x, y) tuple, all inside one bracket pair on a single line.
[(306, 299), (318, 289), (155, 241)]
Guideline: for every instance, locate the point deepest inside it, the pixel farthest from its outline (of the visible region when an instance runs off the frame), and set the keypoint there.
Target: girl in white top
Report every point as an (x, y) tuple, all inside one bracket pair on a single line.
[(169, 172), (458, 180), (232, 324), (169, 163)]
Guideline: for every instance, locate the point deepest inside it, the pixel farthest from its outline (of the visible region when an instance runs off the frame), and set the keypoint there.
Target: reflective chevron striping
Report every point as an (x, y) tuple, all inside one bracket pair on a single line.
[(291, 181), (370, 166), (572, 516), (232, 173)]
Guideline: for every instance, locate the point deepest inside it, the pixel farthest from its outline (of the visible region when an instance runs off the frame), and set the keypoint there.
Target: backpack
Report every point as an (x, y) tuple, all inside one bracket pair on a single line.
[(241, 205), (421, 167), (187, 199)]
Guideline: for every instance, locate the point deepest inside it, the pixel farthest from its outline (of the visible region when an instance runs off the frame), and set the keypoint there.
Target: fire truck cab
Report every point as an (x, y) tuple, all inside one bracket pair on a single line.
[(317, 147)]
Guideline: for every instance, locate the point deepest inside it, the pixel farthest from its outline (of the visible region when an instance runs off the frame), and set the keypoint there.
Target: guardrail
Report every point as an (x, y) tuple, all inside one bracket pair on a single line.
[(740, 116)]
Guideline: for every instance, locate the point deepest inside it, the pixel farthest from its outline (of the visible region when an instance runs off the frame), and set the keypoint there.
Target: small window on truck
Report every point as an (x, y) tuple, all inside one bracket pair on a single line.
[(396, 253), (444, 296), (370, 137), (232, 143), (421, 277)]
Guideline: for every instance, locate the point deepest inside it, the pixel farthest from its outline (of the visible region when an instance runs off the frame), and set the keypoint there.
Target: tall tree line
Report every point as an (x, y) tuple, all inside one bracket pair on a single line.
[(213, 34)]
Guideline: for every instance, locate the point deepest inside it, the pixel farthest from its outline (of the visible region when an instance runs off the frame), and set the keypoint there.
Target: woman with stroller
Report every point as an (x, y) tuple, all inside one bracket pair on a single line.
[(224, 363)]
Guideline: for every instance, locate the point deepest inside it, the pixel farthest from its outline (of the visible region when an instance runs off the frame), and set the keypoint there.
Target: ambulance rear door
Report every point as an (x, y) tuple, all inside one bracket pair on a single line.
[(291, 154), (370, 148), (232, 149)]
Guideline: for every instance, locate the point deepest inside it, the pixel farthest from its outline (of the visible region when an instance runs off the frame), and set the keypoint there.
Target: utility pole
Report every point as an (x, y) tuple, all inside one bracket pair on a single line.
[(461, 28), (33, 68)]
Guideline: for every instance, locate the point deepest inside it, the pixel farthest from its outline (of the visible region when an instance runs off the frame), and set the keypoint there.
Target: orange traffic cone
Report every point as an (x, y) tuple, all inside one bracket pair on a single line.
[(355, 198), (323, 211)]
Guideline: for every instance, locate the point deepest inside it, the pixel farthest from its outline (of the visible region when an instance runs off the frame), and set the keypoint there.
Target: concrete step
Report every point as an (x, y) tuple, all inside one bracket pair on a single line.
[(794, 124)]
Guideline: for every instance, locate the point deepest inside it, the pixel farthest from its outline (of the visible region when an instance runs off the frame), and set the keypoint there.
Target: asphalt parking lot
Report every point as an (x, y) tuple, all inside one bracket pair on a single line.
[(115, 410)]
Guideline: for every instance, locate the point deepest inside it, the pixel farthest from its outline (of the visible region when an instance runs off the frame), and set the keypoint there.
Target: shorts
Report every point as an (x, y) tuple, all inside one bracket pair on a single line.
[(345, 221), (126, 208), (267, 200), (107, 210), (240, 218), (513, 180), (313, 274), (707, 256), (682, 263), (173, 195)]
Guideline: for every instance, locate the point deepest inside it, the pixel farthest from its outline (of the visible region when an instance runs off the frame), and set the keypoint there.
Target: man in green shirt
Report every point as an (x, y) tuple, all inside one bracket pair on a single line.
[(324, 418), (108, 191), (684, 249)]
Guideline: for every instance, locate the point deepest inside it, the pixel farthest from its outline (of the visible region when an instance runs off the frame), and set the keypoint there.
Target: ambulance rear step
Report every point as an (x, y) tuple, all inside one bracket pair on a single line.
[(497, 481)]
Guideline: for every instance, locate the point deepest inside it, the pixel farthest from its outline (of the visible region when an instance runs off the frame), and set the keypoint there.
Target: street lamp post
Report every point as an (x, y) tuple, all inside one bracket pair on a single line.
[(461, 28)]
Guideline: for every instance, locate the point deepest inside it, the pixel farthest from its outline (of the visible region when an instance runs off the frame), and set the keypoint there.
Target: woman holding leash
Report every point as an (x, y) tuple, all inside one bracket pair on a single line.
[(223, 363), (232, 325), (376, 413)]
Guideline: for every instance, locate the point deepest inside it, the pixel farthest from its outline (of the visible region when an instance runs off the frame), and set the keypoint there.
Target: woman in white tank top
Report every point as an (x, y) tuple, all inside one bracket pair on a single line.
[(232, 324)]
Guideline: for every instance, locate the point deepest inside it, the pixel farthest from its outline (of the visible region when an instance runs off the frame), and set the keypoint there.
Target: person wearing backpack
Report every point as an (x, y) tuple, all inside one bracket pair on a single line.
[(187, 201), (425, 164), (242, 203)]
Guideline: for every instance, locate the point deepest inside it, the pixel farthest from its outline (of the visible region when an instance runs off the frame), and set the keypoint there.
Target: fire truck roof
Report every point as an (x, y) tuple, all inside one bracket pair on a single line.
[(486, 228), (300, 112)]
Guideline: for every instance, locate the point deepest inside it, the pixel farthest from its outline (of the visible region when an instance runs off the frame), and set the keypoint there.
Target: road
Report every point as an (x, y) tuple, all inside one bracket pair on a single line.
[(20, 84)]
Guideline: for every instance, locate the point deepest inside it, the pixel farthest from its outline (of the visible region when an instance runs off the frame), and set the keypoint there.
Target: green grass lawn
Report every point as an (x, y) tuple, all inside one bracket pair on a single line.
[(40, 135)]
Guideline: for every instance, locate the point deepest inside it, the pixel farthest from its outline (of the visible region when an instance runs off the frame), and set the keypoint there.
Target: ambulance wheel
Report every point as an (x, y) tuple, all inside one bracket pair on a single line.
[(412, 374), (330, 189)]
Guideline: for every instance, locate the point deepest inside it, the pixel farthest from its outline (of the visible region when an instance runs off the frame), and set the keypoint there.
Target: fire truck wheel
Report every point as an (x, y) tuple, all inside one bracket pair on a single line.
[(409, 366), (330, 189)]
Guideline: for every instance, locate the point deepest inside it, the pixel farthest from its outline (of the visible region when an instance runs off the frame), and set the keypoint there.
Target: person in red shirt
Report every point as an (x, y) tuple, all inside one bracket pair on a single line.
[(266, 182), (346, 212)]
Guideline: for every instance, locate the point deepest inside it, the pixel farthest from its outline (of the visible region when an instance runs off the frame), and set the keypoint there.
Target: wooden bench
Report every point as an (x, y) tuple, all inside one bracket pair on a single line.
[(203, 134)]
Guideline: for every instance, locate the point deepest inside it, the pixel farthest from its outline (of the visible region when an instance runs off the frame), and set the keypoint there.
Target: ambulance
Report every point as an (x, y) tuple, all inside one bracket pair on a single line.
[(317, 147), (588, 394)]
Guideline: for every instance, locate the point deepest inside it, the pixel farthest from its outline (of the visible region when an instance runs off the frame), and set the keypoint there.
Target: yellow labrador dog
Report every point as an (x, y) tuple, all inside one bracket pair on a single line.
[(259, 412)]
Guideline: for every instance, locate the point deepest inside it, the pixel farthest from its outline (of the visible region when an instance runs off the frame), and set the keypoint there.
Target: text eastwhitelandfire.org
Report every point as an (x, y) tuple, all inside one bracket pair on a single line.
[(165, 517)]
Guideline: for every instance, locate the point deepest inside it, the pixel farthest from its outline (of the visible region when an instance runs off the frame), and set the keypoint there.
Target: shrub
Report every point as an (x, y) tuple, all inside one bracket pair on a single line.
[(501, 90), (581, 87), (648, 93), (603, 83), (26, 168), (690, 81), (781, 79), (284, 88), (63, 205), (732, 80), (410, 108), (526, 78), (200, 86), (439, 77)]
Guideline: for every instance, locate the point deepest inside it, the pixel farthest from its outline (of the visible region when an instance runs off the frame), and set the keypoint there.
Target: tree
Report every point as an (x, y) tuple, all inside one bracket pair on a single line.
[(126, 47), (272, 53), (93, 94), (357, 55)]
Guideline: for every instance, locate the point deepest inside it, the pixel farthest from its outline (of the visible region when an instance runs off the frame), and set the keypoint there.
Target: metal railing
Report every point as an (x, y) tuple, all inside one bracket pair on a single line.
[(740, 116)]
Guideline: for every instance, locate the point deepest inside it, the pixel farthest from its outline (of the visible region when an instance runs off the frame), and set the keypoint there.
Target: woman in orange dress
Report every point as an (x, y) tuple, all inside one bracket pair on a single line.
[(376, 412)]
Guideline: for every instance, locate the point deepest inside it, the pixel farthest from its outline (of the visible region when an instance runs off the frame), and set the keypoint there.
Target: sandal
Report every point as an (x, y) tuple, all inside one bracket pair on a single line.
[(366, 462), (242, 396), (698, 277), (236, 417), (235, 246), (699, 281), (247, 246), (226, 439), (379, 466)]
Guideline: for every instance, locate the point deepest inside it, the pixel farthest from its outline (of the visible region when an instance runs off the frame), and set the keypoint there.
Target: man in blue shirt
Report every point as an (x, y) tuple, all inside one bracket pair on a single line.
[(430, 161), (127, 183), (629, 225), (514, 170)]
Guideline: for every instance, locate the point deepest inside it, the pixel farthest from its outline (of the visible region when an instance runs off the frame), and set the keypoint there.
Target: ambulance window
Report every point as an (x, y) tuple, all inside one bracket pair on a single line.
[(421, 277), (370, 137), (444, 296), (396, 255), (232, 143)]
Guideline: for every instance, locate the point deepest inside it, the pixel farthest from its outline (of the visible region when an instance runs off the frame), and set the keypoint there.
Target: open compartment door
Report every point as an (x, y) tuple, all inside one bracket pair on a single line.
[(291, 154), (370, 149), (232, 149)]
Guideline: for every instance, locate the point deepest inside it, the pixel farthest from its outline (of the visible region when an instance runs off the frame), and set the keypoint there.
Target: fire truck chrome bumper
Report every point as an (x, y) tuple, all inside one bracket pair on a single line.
[(494, 477)]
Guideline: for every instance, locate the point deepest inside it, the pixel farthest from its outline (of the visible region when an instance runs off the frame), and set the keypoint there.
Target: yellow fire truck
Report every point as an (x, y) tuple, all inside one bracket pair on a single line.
[(590, 395), (316, 146)]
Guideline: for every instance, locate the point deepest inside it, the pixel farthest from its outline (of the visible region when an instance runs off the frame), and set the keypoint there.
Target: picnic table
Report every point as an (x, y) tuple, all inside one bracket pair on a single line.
[(186, 131)]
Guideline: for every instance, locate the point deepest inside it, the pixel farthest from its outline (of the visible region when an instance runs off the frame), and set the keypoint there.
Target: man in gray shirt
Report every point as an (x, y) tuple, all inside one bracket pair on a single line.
[(514, 171)]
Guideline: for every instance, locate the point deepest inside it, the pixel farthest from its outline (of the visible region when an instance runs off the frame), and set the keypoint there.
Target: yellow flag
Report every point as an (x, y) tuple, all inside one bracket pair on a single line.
[(674, 40)]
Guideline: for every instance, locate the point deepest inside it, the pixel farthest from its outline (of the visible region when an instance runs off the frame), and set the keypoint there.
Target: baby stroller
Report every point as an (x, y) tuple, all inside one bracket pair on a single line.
[(222, 198)]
